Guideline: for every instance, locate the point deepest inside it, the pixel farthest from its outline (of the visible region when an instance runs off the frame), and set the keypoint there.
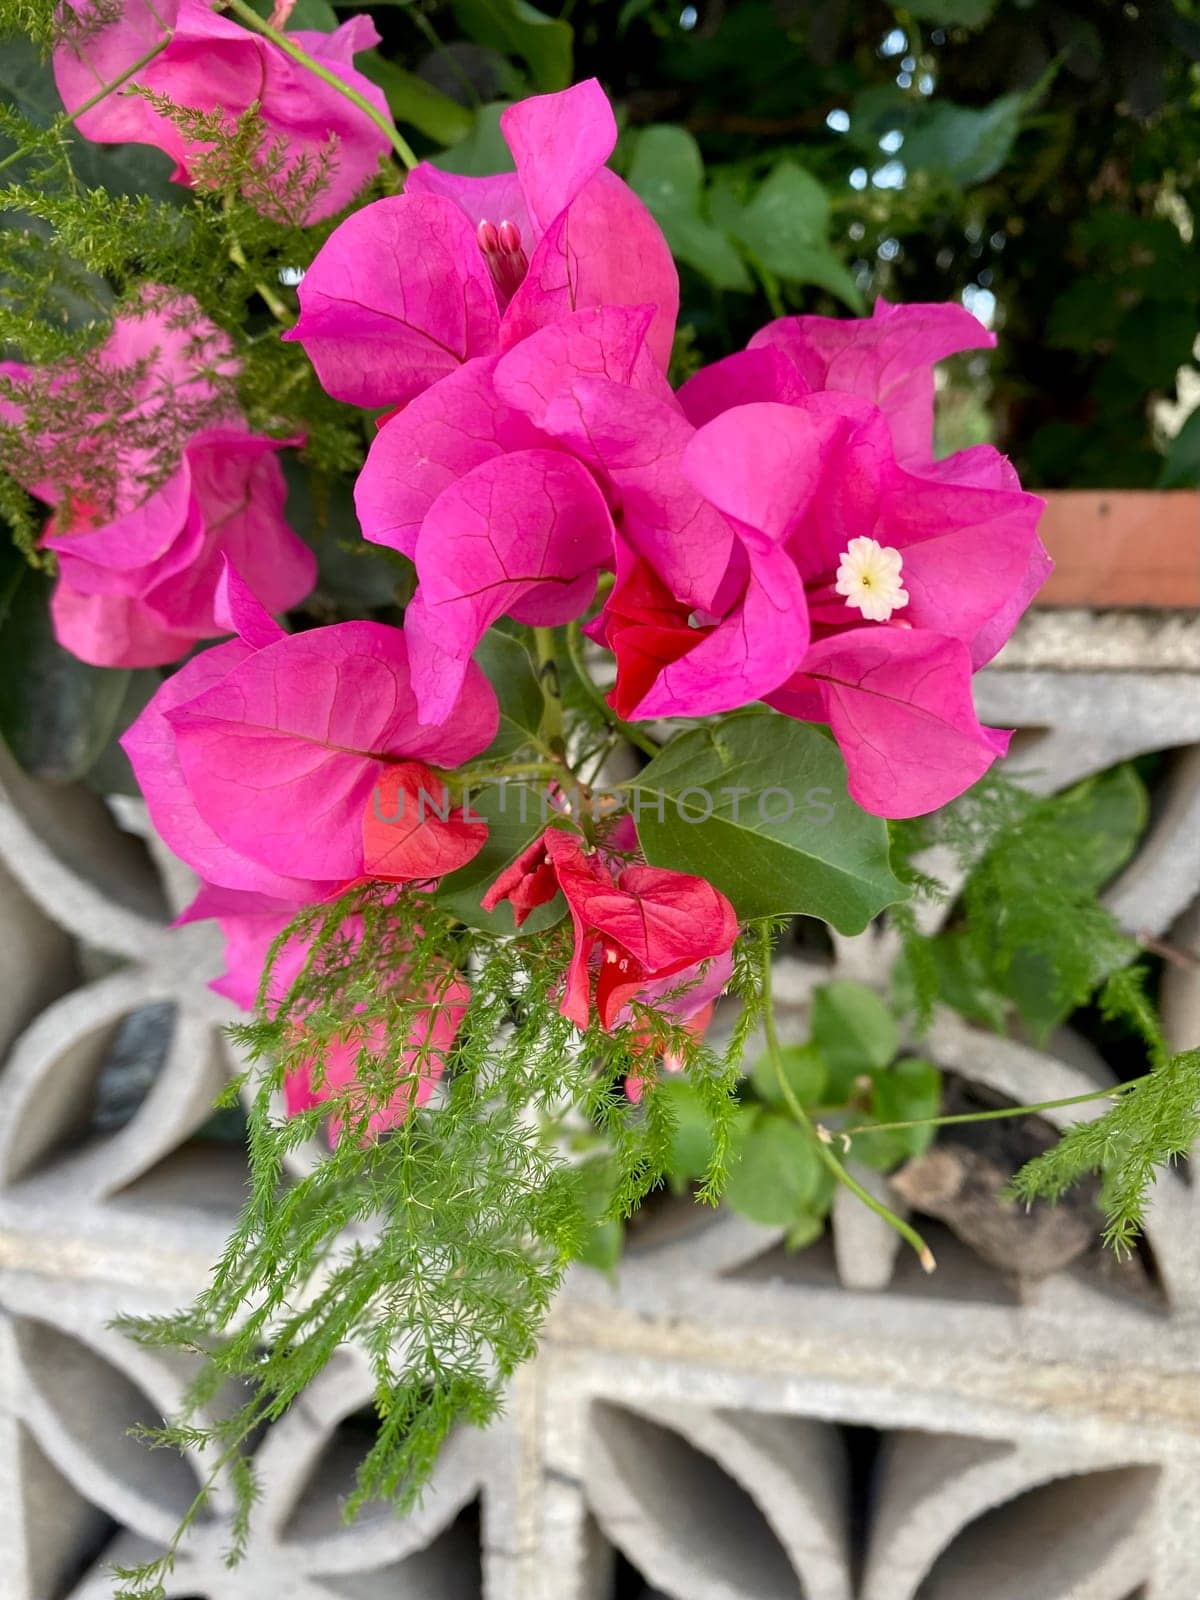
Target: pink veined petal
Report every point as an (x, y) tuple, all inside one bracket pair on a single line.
[(496, 198), (151, 747), (605, 249), (899, 705), (523, 534), (969, 553), (766, 465), (436, 439), (559, 142), (397, 297), (983, 467), (636, 442), (887, 358), (281, 755), (739, 380), (603, 341), (751, 651), (996, 631), (239, 491), (119, 553), (237, 609), (102, 55), (113, 630), (342, 45), (213, 63)]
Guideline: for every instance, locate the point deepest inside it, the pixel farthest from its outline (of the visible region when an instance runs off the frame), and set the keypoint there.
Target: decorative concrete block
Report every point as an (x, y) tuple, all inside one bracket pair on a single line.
[(722, 1419)]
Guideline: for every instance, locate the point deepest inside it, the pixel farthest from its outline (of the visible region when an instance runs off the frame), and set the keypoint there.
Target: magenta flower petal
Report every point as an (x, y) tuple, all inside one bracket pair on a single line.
[(212, 63), (602, 342), (117, 557), (496, 198), (238, 493), (238, 610), (151, 747), (605, 249), (751, 650), (282, 754), (436, 439), (970, 554), (559, 142), (113, 630), (887, 358), (899, 704), (763, 465), (523, 534), (397, 297), (741, 379), (636, 442)]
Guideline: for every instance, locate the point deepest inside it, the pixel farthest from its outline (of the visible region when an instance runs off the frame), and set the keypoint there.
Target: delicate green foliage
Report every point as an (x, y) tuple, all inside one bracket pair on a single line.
[(1156, 1121), (438, 1245), (1030, 932)]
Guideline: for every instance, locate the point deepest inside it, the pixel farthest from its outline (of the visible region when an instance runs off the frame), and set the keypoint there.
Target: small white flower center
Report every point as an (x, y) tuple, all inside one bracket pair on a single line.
[(868, 578)]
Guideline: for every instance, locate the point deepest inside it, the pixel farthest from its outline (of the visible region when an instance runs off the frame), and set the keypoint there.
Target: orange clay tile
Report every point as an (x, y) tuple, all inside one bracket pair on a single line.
[(1122, 547)]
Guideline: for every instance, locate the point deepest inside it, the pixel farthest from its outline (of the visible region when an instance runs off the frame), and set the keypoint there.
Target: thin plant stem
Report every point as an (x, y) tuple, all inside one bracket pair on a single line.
[(819, 1136), (591, 689), (104, 91), (547, 672), (399, 144), (1113, 1092)]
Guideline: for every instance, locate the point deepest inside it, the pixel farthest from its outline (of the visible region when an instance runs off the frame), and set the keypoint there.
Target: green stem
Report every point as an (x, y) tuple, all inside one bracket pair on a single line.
[(1111, 1093), (267, 295), (819, 1136), (105, 90), (575, 655), (399, 144), (547, 672)]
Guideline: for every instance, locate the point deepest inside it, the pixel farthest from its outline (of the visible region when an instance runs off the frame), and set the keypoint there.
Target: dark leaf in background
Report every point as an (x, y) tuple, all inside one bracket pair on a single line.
[(56, 713), (515, 28)]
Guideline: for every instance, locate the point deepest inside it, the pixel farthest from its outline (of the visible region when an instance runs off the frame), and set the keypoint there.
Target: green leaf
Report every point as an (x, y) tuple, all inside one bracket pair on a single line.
[(805, 1070), (415, 101), (56, 713), (776, 1175), (515, 28), (667, 172), (515, 814), (952, 13), (511, 671), (908, 1091), (757, 804), (1181, 469), (963, 144), (691, 1141), (317, 16), (484, 150), (786, 228), (604, 1235), (855, 1033)]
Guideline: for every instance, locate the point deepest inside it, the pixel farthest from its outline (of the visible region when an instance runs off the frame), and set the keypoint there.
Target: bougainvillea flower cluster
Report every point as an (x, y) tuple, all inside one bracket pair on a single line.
[(139, 551), (410, 288), (779, 529), (315, 140)]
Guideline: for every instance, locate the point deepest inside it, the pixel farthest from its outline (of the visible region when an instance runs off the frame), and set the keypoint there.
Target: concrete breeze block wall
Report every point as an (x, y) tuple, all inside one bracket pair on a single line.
[(724, 1421)]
